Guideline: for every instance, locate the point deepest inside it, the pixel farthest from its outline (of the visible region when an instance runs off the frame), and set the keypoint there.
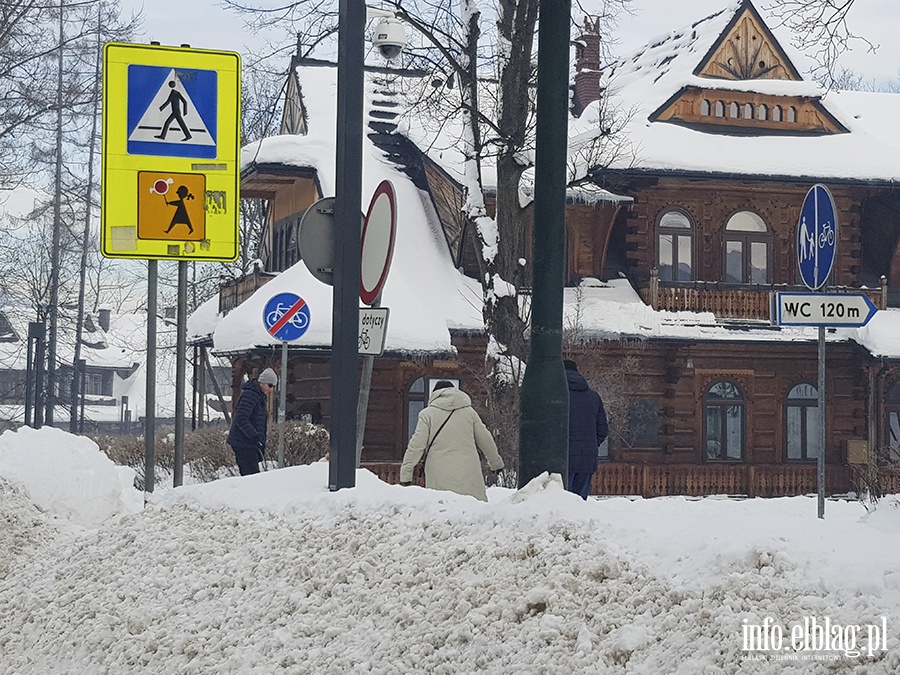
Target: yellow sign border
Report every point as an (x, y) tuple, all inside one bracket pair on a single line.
[(119, 191)]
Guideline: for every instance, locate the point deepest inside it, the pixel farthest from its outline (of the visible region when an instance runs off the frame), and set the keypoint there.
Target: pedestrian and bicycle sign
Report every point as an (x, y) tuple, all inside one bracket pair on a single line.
[(816, 237), (841, 310), (286, 316), (170, 188)]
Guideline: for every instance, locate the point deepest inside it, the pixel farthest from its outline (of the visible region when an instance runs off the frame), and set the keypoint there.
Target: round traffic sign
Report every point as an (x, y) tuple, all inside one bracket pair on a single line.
[(816, 237), (286, 316), (378, 235)]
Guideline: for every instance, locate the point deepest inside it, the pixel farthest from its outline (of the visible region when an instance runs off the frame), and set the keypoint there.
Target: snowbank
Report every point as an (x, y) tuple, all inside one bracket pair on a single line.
[(275, 574), (67, 475)]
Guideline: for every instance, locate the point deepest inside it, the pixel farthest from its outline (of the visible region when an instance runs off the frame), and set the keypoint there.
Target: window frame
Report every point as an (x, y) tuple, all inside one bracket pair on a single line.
[(723, 404), (892, 431), (675, 233), (747, 239), (808, 437)]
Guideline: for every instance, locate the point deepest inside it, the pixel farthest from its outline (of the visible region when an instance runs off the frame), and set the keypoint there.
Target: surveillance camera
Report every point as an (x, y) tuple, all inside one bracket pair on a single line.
[(389, 38)]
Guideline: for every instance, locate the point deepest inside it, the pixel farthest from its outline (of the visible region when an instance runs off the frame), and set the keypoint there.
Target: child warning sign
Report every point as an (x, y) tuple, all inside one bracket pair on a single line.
[(171, 206)]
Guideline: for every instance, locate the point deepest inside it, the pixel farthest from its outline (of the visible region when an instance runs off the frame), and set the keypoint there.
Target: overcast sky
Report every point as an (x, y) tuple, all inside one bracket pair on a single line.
[(206, 24)]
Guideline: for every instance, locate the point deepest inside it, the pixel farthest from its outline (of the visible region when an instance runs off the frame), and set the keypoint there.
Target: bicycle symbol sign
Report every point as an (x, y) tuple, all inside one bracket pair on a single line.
[(286, 316)]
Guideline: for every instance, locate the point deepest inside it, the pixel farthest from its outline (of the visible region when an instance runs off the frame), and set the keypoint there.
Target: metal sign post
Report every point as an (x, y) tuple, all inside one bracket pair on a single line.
[(377, 250), (286, 317), (816, 247)]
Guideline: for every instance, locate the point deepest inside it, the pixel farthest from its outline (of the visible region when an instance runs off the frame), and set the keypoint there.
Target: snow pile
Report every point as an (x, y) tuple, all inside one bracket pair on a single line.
[(67, 475), (275, 574)]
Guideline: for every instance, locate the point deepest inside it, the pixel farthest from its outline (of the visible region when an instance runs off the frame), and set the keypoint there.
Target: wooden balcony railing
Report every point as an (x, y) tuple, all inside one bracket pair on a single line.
[(731, 301), (234, 291)]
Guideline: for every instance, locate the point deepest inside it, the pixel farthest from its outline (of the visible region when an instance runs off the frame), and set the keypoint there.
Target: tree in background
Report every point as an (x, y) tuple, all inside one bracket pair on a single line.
[(483, 81)]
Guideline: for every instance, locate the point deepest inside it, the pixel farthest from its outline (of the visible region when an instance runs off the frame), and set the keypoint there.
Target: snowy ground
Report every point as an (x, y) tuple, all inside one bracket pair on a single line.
[(274, 574)]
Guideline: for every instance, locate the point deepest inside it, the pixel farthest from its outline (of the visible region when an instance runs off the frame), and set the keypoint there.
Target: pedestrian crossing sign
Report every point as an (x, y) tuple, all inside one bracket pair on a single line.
[(179, 119), (171, 153)]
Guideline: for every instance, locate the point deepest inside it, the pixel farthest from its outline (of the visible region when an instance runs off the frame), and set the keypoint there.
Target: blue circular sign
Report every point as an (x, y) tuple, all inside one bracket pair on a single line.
[(286, 316), (816, 237)]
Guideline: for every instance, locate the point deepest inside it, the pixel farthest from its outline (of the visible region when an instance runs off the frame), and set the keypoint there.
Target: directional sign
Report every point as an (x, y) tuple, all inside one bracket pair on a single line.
[(170, 153), (845, 310), (816, 237), (286, 316), (372, 330)]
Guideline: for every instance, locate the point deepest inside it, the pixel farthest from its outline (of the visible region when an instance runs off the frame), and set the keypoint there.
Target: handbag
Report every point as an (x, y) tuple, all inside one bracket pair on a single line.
[(419, 468)]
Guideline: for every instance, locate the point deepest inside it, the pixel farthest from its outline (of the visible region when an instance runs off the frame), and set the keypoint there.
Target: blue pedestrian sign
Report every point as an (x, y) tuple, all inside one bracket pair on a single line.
[(286, 316), (172, 111), (816, 237)]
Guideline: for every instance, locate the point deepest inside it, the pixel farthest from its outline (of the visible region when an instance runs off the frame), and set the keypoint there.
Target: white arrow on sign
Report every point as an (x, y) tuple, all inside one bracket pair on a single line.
[(845, 310)]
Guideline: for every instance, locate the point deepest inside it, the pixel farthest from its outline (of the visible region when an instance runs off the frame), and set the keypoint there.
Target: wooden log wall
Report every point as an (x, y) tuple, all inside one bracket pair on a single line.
[(711, 203), (675, 378)]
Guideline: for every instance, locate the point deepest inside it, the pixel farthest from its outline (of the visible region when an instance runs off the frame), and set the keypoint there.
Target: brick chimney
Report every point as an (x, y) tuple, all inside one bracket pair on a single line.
[(587, 66), (104, 319)]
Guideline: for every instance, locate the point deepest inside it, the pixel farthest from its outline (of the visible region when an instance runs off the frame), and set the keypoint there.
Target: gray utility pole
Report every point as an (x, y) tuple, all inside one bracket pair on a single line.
[(544, 401), (347, 198), (150, 387), (180, 370), (53, 310), (78, 389)]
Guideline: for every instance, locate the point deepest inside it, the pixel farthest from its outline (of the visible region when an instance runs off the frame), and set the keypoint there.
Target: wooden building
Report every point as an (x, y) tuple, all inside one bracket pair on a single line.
[(671, 271)]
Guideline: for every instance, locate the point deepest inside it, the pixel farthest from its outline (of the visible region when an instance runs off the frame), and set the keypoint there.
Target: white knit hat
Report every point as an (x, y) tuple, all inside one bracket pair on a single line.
[(268, 376)]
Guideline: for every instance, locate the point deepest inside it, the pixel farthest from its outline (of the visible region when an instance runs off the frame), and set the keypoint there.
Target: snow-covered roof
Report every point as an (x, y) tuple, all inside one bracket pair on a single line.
[(425, 294), (428, 297), (640, 84)]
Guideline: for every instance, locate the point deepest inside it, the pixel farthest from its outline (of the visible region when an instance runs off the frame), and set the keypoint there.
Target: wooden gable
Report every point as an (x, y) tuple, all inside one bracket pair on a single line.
[(731, 111), (747, 50)]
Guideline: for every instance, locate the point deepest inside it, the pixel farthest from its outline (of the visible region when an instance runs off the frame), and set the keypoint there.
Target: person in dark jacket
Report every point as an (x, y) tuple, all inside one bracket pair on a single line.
[(588, 428), (247, 436)]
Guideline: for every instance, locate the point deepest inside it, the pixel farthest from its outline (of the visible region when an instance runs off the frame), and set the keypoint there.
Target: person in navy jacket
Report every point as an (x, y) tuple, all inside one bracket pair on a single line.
[(247, 436), (588, 428)]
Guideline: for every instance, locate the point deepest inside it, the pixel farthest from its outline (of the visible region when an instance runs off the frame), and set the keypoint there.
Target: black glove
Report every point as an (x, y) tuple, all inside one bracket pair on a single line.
[(493, 478)]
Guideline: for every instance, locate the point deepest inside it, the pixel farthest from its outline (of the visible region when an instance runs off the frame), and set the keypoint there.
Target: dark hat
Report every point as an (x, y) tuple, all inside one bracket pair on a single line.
[(442, 384), (570, 365)]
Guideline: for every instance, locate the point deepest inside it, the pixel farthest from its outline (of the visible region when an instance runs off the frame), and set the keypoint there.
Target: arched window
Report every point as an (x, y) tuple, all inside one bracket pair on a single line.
[(734, 110), (720, 109), (675, 246), (723, 422), (792, 114), (748, 243), (748, 111), (776, 113), (892, 432), (417, 398), (801, 421), (763, 111), (705, 108)]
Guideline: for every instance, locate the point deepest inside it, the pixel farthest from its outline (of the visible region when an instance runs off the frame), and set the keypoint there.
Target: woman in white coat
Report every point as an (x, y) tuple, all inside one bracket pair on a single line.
[(452, 462)]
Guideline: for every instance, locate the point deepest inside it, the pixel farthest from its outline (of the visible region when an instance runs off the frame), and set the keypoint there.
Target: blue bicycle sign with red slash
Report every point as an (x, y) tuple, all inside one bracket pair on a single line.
[(286, 316)]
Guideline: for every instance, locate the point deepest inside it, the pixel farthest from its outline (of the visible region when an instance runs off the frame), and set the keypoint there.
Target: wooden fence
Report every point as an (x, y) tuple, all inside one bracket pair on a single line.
[(658, 480)]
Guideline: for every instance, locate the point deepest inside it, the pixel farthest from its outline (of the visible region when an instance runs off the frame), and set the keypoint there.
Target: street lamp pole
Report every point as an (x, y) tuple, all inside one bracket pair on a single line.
[(347, 220), (544, 399)]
